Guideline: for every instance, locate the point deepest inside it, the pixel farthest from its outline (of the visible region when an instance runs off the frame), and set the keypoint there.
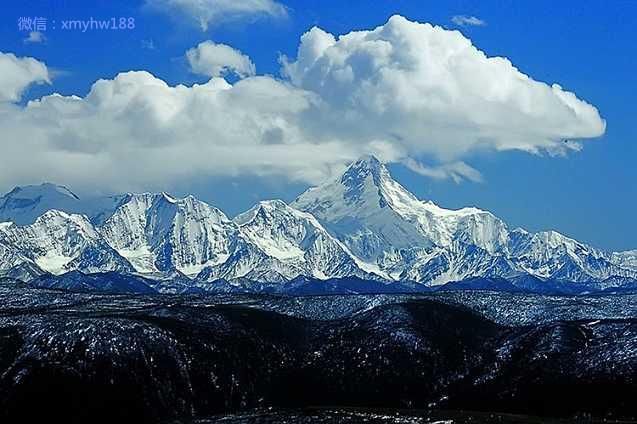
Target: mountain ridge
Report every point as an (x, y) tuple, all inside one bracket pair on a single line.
[(362, 224)]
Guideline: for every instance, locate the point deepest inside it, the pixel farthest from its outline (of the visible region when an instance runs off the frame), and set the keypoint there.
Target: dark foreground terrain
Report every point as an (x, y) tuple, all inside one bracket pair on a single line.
[(393, 416), (124, 358)]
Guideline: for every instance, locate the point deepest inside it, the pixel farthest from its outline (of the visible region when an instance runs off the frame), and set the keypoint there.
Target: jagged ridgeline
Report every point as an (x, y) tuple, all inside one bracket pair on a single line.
[(362, 226)]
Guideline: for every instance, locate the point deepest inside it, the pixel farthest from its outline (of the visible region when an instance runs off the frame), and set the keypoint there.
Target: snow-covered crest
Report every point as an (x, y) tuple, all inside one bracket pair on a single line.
[(383, 223), (362, 223)]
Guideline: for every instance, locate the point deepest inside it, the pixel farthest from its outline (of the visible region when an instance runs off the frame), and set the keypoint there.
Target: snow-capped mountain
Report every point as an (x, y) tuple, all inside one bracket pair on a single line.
[(387, 226), (551, 255), (277, 243), (375, 215), (159, 233), (362, 224), (409, 239), (627, 259), (297, 243), (161, 236), (58, 242), (12, 260), (23, 205)]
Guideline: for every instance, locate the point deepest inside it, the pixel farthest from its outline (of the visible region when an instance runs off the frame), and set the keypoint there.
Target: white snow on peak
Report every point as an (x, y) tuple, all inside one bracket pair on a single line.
[(168, 197), (23, 205), (553, 239), (77, 222), (373, 214), (46, 188), (368, 183), (437, 210), (627, 259), (59, 242), (361, 223), (274, 228), (300, 244), (384, 224), (194, 234)]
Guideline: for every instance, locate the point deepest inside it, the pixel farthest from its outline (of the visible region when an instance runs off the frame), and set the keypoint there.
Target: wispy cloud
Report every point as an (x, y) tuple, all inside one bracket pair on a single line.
[(35, 37), (457, 171), (207, 13), (465, 20), (148, 44)]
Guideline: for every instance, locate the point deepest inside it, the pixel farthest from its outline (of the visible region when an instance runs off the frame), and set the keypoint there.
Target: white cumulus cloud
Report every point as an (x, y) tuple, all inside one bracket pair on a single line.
[(404, 91), (430, 91), (217, 60), (17, 73), (136, 132), (210, 12)]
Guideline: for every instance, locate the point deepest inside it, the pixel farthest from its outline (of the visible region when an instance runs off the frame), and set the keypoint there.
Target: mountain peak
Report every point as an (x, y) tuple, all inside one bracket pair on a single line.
[(265, 208), (273, 204), (33, 191), (24, 204), (368, 161), (366, 185), (361, 223), (52, 214), (59, 189), (364, 167)]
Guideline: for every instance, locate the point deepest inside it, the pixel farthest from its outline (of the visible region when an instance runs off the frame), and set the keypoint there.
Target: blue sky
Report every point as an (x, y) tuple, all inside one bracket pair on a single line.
[(587, 48)]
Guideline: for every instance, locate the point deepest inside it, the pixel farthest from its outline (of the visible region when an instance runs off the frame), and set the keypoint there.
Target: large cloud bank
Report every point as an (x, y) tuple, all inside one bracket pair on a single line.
[(429, 90), (403, 91)]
